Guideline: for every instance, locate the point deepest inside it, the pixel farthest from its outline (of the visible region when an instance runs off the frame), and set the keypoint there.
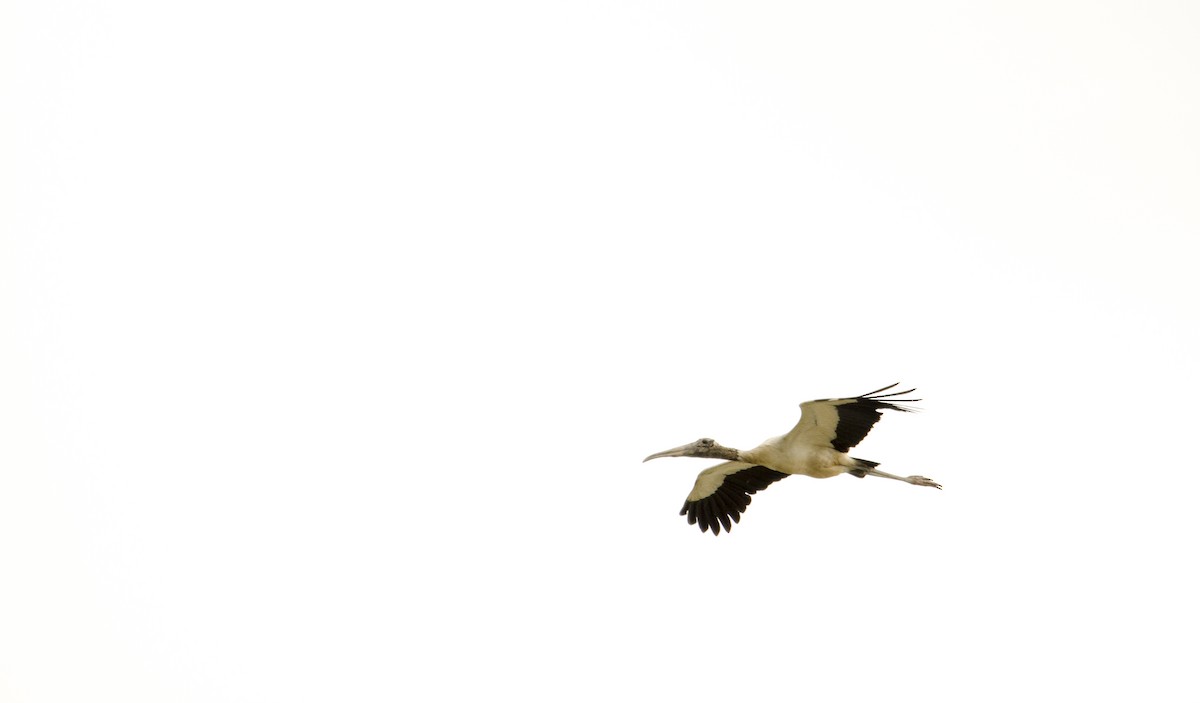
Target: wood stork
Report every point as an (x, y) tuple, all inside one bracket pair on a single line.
[(815, 447)]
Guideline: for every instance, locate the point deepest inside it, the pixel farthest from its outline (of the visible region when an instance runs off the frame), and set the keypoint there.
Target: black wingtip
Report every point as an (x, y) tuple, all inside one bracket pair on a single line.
[(880, 390), (880, 394)]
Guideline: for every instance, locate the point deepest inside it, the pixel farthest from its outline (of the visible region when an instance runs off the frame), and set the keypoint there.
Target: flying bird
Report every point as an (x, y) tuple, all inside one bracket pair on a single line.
[(815, 447)]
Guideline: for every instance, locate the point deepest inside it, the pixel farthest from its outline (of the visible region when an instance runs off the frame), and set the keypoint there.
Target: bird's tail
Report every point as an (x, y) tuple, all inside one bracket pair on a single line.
[(863, 464)]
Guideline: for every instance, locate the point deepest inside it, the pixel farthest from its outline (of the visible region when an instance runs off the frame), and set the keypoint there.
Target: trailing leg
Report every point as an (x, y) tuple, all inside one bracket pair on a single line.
[(867, 468)]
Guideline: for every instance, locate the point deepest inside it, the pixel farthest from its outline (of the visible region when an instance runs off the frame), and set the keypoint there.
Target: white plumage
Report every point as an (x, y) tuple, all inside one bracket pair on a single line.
[(817, 446)]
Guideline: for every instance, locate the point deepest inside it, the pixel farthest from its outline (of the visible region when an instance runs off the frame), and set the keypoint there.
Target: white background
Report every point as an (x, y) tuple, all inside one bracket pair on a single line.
[(334, 335)]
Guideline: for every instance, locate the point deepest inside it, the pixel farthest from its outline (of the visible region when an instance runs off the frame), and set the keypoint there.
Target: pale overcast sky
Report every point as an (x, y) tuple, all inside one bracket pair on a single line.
[(333, 336)]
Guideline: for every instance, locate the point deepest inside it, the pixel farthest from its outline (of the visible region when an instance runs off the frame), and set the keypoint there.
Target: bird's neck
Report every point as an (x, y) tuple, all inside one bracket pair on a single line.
[(726, 453)]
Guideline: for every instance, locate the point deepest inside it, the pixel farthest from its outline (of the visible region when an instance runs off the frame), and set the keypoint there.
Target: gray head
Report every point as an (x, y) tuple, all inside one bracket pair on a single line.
[(703, 448)]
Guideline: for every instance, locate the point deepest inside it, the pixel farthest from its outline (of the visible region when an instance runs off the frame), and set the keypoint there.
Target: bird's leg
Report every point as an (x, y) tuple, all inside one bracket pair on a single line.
[(914, 480)]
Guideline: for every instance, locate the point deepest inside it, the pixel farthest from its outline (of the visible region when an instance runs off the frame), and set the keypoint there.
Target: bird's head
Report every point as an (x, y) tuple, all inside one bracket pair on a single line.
[(704, 448)]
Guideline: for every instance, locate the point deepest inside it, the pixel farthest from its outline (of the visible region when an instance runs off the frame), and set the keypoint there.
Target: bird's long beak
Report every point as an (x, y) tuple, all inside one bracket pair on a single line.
[(685, 450)]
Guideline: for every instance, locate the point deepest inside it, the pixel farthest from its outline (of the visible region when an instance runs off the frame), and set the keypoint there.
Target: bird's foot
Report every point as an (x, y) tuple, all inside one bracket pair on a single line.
[(922, 481)]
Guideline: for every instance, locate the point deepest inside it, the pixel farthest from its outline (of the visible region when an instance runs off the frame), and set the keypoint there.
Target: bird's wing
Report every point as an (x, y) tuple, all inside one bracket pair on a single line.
[(842, 423), (723, 492)]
